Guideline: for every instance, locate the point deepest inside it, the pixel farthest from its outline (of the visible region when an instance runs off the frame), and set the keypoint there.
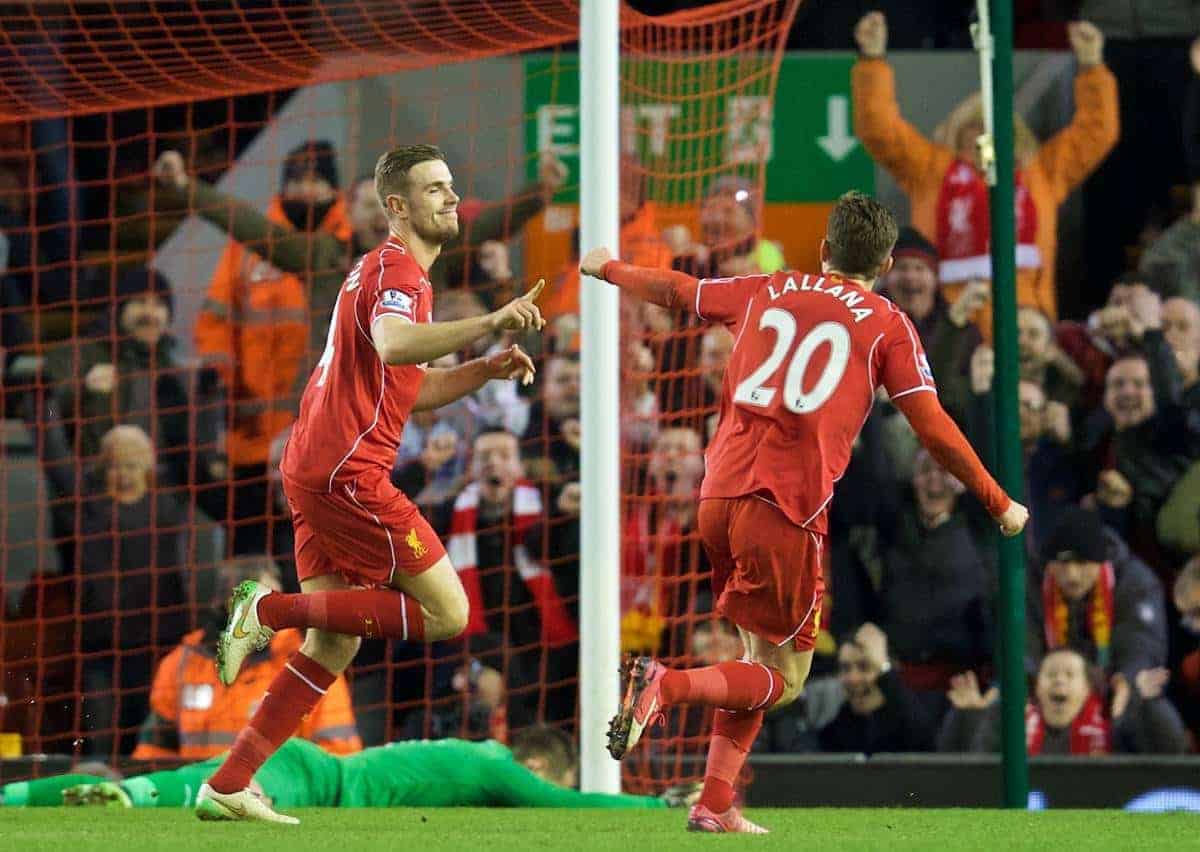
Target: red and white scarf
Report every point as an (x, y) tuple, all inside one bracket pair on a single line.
[(1057, 613), (1091, 733), (964, 226), (650, 553), (462, 547)]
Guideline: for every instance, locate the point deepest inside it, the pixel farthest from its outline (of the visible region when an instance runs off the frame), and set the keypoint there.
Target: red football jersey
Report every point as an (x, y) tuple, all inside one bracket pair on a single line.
[(809, 352), (355, 406)]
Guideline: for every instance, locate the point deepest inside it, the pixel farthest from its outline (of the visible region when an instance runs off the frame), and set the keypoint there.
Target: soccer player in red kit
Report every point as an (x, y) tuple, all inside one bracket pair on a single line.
[(809, 353), (369, 564)]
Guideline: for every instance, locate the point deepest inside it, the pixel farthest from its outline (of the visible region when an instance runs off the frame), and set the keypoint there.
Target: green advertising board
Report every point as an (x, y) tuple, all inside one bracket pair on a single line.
[(806, 136)]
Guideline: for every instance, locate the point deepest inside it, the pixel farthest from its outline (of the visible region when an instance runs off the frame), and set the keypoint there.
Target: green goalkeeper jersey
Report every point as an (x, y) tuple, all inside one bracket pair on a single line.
[(414, 773)]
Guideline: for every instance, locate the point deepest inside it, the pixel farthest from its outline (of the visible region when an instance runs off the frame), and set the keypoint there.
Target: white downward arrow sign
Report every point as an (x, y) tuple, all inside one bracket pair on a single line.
[(838, 142)]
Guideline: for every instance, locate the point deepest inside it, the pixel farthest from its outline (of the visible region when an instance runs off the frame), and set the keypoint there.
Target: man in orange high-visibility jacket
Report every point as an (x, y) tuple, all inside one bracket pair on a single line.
[(194, 716), (254, 328), (945, 184)]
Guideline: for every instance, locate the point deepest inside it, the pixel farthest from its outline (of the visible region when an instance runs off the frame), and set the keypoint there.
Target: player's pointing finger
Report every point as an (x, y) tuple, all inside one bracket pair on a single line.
[(536, 290)]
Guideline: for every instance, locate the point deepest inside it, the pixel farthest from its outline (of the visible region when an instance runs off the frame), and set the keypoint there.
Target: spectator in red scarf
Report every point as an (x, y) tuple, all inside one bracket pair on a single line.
[(491, 527), (1066, 715), (495, 533), (1094, 597)]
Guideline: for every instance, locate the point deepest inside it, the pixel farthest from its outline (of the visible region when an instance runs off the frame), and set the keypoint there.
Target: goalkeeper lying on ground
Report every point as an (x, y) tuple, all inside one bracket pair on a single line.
[(537, 773)]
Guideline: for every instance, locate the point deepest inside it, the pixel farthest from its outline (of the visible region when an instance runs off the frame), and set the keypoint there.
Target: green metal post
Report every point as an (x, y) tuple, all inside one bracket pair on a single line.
[(1008, 443)]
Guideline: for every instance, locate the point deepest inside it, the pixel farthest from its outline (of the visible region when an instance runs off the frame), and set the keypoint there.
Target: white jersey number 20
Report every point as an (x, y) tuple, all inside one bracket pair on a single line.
[(755, 391)]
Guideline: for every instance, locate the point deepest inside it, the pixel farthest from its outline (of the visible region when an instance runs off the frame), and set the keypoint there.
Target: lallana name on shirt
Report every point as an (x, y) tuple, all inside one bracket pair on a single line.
[(843, 293)]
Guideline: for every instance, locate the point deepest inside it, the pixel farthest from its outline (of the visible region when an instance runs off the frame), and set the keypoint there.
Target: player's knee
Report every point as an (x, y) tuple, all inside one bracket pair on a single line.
[(334, 651), (791, 691), (446, 614), (455, 613)]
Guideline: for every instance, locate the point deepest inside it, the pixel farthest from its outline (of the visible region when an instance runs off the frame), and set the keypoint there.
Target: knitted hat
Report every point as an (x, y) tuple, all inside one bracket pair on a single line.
[(1078, 536), (911, 243), (314, 155)]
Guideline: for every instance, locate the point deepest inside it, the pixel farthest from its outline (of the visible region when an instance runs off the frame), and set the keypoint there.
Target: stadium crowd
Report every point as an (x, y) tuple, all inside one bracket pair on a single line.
[(135, 446)]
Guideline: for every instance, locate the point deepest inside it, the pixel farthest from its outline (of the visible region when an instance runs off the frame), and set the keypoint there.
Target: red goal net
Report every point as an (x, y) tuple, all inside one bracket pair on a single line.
[(155, 340)]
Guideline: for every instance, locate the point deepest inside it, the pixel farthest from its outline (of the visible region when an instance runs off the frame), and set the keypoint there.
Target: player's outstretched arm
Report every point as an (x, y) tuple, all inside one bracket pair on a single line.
[(441, 386), (399, 341), (664, 287), (940, 435)]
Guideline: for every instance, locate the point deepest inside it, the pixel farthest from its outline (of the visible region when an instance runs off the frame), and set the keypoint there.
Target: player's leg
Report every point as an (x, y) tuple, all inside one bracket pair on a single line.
[(425, 606), (292, 695), (441, 599), (734, 685), (767, 580), (734, 732), (416, 596), (793, 664), (775, 598)]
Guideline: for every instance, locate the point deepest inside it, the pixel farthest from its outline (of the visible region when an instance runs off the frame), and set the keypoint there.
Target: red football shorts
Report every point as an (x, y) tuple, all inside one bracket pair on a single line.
[(766, 571), (365, 529)]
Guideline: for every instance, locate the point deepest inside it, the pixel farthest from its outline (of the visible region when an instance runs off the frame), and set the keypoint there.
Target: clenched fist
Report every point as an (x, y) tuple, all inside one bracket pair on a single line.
[(593, 262), (101, 378), (1013, 519), (871, 35), (170, 170), (1087, 41)]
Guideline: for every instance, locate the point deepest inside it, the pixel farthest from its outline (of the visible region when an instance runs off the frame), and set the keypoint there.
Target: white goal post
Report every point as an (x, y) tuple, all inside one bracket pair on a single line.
[(600, 552)]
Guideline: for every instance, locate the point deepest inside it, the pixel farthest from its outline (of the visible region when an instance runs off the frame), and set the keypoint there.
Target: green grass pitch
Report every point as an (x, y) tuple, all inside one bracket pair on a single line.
[(431, 830)]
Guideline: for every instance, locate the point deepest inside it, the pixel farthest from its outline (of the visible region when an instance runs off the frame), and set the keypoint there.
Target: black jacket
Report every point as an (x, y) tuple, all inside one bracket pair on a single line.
[(1139, 630), (935, 593), (899, 725)]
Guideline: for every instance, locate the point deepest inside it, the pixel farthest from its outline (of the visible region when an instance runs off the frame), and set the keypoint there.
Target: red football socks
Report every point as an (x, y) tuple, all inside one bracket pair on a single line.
[(733, 736), (370, 613), (735, 685), (292, 695)]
